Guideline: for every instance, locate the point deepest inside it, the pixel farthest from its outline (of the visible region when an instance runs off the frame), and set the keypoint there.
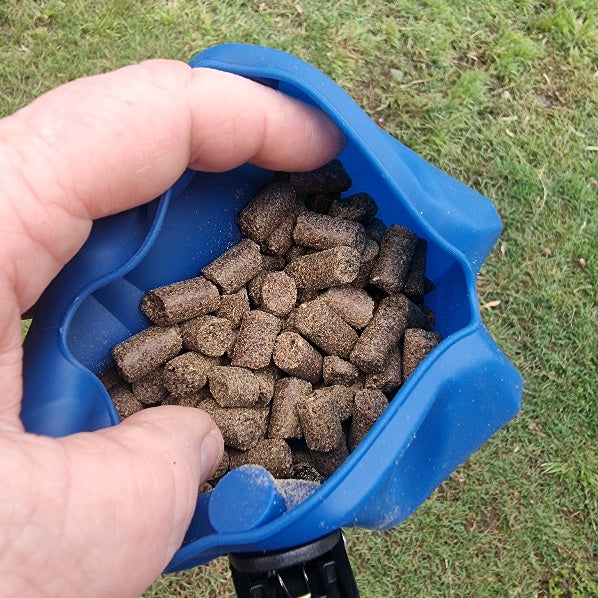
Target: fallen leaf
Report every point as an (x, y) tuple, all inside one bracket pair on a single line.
[(503, 248), (592, 148), (546, 252), (583, 226), (491, 304), (510, 133), (582, 263)]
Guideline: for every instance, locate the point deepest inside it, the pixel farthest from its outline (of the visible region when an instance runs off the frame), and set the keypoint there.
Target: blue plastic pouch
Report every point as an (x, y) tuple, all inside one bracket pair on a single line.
[(457, 398)]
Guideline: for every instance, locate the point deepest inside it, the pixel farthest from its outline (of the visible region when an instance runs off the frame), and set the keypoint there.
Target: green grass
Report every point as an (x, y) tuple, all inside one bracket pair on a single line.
[(502, 96)]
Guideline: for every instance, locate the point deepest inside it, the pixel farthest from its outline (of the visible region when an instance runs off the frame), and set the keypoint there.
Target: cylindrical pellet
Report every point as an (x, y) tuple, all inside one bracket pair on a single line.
[(281, 239), (266, 210), (272, 263), (235, 266), (368, 259), (266, 378), (145, 351), (327, 462), (284, 421), (376, 230), (241, 427), (417, 344), (306, 295), (234, 306), (394, 259), (368, 406), (320, 202), (382, 334), (338, 371), (150, 389), (180, 301), (278, 293), (389, 379), (273, 454), (341, 395), (414, 282), (295, 356), (325, 269), (187, 373), (208, 335), (320, 231), (193, 399), (353, 305), (325, 329), (254, 288), (330, 178), (125, 402), (234, 386), (320, 421), (256, 339), (360, 207)]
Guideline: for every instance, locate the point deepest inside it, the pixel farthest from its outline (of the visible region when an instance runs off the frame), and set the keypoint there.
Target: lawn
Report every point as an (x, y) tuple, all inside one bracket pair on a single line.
[(504, 97)]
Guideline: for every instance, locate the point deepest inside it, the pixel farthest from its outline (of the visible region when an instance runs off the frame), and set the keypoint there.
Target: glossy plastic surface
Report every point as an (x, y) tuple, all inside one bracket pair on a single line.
[(460, 395)]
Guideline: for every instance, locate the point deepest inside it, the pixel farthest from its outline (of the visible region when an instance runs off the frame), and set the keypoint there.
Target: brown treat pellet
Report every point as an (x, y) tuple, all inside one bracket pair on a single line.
[(320, 202), (325, 329), (369, 404), (288, 324), (235, 266), (391, 268), (417, 344), (110, 378), (305, 295), (278, 293), (150, 389), (327, 462), (338, 371), (284, 421), (266, 379), (360, 207), (325, 269), (389, 379), (241, 427), (430, 318), (320, 231), (376, 230), (222, 468), (145, 351), (353, 305), (273, 454), (414, 283), (256, 339), (341, 395), (296, 357), (262, 215), (194, 399), (234, 386), (205, 487), (180, 301), (234, 306), (209, 335), (320, 421), (125, 402), (382, 334), (187, 373), (281, 239), (271, 263), (330, 178), (368, 259), (296, 251), (254, 288), (304, 468)]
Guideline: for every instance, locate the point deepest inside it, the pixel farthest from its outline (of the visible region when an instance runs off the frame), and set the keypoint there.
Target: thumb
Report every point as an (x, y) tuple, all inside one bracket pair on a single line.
[(110, 507)]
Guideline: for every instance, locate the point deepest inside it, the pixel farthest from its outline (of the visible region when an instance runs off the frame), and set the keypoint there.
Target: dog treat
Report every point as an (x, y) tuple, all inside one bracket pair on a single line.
[(193, 399), (376, 230), (325, 269), (208, 335), (267, 210), (320, 202), (296, 251), (369, 257), (360, 207), (234, 386), (324, 328), (278, 293), (417, 343), (256, 339), (414, 282), (391, 268), (110, 378), (353, 305), (254, 289), (205, 487), (235, 266), (143, 352), (241, 427), (339, 394), (320, 421), (125, 402), (284, 421), (281, 239), (272, 263), (330, 178), (234, 306), (296, 357), (150, 389), (222, 468), (273, 454), (266, 379), (368, 406), (327, 462), (187, 373), (430, 319), (382, 334), (180, 301), (338, 371), (320, 231), (304, 468), (390, 378)]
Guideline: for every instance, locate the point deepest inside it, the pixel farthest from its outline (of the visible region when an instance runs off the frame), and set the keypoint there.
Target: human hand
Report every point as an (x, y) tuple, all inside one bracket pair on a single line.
[(100, 514)]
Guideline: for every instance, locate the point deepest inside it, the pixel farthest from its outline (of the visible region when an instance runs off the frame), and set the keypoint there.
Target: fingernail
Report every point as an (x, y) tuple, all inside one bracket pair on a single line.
[(210, 453)]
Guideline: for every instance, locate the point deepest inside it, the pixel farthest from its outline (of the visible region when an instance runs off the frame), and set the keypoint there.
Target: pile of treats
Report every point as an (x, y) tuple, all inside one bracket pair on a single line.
[(295, 339)]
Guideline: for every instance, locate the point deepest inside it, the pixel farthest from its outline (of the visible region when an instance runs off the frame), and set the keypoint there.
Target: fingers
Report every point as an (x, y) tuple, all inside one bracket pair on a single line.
[(103, 512)]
